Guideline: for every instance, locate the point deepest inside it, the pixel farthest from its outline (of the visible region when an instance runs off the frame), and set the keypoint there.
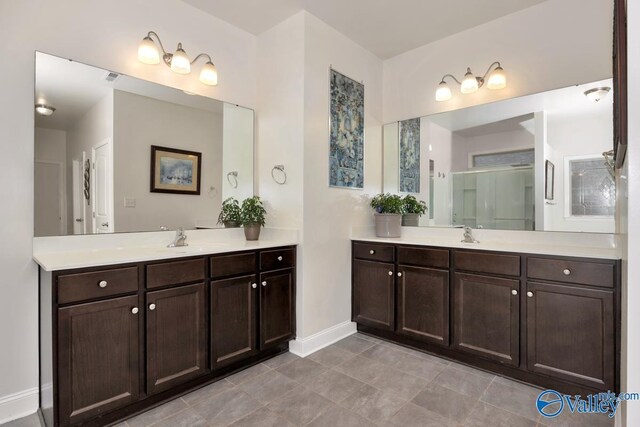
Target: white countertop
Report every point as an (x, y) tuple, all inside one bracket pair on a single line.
[(68, 252), (585, 245)]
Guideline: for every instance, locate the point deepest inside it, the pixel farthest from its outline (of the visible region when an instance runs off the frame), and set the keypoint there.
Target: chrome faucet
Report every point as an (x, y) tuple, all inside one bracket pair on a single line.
[(179, 240), (468, 235)]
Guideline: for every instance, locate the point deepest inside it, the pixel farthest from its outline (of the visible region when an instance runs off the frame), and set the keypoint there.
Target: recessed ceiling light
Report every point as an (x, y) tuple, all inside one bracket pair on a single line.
[(597, 93), (44, 110)]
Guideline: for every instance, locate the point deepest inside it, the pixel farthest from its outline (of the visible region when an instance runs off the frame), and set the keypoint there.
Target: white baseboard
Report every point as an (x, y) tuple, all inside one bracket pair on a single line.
[(19, 405), (305, 346)]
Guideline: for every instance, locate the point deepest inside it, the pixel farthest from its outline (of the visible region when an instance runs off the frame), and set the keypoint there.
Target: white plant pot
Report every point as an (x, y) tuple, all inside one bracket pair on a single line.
[(410, 220), (388, 225)]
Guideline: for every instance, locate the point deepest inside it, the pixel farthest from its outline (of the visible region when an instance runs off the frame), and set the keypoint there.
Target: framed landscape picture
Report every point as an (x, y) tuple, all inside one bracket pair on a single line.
[(175, 171)]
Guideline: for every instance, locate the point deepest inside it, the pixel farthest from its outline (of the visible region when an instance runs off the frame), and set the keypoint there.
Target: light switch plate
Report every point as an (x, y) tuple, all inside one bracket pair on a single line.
[(129, 202)]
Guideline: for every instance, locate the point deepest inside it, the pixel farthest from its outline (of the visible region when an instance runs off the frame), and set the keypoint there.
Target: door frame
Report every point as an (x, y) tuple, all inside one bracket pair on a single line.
[(110, 203)]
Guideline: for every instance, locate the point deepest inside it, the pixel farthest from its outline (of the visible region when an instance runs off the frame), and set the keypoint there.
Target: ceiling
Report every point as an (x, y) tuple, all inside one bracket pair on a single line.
[(73, 88), (384, 27)]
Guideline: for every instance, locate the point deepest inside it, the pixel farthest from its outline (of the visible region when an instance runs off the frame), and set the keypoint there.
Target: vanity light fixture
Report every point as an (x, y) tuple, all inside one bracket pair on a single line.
[(597, 93), (178, 61), (470, 83), (44, 110)]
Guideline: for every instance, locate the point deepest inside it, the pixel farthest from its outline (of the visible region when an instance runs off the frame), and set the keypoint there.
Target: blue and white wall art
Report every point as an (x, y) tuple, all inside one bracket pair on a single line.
[(346, 141), (410, 156)]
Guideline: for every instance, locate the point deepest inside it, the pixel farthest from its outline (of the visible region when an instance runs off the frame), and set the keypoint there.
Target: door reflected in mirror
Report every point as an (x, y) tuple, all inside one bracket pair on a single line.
[(488, 166), (93, 171)]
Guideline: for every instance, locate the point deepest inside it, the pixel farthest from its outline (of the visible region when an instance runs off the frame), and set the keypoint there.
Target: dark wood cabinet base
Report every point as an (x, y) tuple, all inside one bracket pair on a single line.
[(479, 363), (115, 417)]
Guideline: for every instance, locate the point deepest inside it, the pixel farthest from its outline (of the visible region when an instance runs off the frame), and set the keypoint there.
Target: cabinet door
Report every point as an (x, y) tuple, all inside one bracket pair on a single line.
[(373, 294), (97, 358), (176, 336), (277, 307), (423, 304), (486, 317), (570, 334), (233, 319)]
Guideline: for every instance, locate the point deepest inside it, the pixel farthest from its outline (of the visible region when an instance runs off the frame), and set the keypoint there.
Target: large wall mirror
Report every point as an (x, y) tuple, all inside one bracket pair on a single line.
[(539, 162), (115, 153)]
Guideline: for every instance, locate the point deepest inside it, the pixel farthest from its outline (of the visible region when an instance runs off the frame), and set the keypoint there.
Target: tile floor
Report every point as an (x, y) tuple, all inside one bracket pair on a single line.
[(359, 381)]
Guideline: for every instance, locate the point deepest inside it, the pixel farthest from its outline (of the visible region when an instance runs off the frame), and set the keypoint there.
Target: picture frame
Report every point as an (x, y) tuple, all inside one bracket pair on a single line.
[(549, 180), (346, 131), (175, 171)]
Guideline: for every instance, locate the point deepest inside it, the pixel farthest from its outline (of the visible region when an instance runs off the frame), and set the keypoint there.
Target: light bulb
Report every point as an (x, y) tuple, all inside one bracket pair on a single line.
[(497, 79), (469, 84), (180, 61), (148, 52), (209, 74), (443, 93)]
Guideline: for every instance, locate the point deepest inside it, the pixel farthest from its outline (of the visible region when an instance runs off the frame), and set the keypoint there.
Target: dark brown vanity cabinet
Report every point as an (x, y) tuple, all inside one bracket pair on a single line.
[(548, 320), (122, 339), (98, 358)]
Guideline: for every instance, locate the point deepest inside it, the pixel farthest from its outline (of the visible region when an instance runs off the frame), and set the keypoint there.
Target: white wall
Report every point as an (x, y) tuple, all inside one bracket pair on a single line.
[(329, 213), (629, 225), (441, 141), (51, 146), (554, 44), (237, 152), (576, 136), (71, 29), (140, 122), (464, 147)]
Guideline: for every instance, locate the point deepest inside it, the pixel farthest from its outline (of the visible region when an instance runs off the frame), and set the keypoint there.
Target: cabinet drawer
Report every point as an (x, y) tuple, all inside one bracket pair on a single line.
[(373, 252), (175, 273), (96, 284), (277, 259), (423, 257), (578, 272), (233, 265), (481, 262)]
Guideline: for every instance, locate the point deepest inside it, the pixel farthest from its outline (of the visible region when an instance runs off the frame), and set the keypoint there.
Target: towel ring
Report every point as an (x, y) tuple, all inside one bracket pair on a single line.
[(281, 169), (234, 175)]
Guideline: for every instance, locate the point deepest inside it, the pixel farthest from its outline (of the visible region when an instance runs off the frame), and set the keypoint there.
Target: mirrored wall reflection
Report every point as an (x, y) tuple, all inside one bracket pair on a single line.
[(96, 172), (531, 163)]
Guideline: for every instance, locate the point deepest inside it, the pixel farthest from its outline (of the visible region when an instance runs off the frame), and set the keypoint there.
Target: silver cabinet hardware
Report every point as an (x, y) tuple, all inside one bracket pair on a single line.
[(530, 294), (280, 258), (391, 273), (566, 272), (372, 252), (399, 274), (152, 307), (103, 284), (134, 310), (514, 292), (264, 283), (254, 285)]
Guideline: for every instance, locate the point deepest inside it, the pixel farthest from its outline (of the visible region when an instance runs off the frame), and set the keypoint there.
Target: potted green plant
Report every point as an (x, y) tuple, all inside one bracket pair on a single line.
[(413, 210), (388, 214), (252, 214), (230, 213)]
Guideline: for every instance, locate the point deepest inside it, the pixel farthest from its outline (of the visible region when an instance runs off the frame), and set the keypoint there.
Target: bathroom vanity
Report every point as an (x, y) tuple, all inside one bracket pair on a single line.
[(117, 339), (546, 319)]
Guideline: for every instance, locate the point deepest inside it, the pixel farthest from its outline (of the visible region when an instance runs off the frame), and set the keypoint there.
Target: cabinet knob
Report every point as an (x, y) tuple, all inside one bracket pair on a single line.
[(134, 310), (566, 272), (103, 284), (372, 252), (399, 274), (280, 258), (391, 273), (254, 285), (264, 283), (152, 307), (530, 294), (514, 292)]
